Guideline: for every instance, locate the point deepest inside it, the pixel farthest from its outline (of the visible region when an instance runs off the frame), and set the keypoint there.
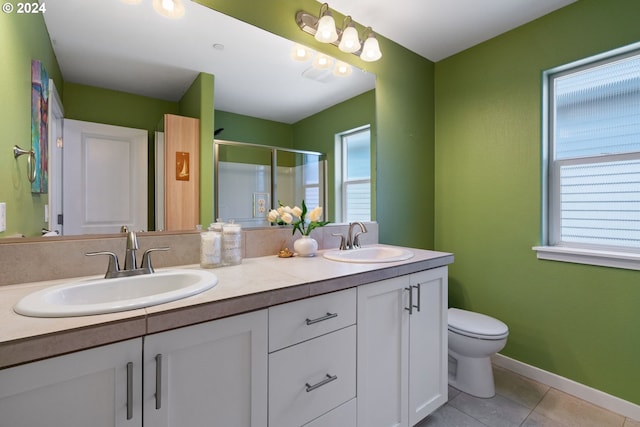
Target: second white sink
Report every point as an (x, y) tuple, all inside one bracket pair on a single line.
[(98, 296), (370, 254)]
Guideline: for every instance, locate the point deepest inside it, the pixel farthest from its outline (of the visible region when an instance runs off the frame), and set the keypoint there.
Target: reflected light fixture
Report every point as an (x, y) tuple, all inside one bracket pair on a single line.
[(300, 53), (322, 61), (342, 69), (169, 8), (323, 28)]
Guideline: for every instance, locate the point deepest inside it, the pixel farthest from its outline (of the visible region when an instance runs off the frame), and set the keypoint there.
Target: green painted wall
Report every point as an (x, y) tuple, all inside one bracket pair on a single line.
[(574, 320), (317, 133), (198, 102), (22, 38), (238, 127)]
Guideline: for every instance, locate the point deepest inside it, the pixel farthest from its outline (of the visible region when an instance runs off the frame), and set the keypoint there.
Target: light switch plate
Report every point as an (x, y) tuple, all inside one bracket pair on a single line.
[(3, 217)]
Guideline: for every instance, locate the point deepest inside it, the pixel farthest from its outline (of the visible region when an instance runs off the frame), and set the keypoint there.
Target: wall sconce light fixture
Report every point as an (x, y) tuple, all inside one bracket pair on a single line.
[(323, 28)]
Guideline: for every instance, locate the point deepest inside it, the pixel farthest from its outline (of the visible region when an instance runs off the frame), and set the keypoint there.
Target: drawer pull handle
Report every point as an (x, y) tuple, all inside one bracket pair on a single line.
[(158, 381), (129, 390), (325, 381), (322, 319)]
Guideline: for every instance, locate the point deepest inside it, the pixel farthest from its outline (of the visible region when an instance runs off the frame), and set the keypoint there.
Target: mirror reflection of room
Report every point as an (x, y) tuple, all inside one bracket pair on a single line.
[(106, 78)]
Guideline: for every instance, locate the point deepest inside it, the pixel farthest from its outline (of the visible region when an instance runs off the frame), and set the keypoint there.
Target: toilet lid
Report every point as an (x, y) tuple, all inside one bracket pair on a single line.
[(476, 325)]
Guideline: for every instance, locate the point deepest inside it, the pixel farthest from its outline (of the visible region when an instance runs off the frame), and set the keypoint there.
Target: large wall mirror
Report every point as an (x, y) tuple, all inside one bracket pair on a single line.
[(128, 47)]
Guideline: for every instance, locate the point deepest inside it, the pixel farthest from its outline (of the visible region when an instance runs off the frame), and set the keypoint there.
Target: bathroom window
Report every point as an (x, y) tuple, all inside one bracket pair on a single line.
[(592, 162), (353, 175)]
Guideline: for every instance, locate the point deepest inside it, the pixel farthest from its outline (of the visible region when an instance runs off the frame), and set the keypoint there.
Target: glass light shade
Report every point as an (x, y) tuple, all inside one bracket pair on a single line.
[(169, 8), (350, 42), (322, 61), (342, 69), (300, 53), (326, 32), (371, 49)]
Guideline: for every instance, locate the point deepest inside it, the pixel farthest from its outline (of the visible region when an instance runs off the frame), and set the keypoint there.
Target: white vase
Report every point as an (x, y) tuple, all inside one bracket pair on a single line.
[(305, 246)]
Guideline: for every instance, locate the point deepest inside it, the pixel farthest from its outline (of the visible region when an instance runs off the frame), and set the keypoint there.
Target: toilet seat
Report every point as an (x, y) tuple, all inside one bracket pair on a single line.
[(476, 325)]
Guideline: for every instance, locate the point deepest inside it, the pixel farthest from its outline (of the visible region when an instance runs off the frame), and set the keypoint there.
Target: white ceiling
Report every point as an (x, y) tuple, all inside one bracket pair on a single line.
[(111, 44), (436, 29)]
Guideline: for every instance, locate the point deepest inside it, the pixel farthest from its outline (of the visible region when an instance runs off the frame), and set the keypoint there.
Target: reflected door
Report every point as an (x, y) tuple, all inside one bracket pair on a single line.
[(104, 178)]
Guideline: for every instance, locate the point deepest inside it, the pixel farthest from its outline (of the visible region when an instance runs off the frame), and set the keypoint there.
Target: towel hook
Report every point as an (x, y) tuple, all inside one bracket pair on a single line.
[(31, 160)]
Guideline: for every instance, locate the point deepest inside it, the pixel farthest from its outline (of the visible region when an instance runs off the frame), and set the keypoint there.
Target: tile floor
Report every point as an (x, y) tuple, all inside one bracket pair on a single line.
[(520, 401)]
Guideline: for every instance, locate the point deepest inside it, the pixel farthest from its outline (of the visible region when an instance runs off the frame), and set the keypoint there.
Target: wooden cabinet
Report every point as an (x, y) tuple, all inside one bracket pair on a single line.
[(99, 387), (402, 349), (211, 374), (312, 366)]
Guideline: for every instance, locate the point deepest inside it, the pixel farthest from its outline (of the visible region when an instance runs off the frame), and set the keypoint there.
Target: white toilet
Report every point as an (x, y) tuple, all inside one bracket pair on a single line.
[(473, 339)]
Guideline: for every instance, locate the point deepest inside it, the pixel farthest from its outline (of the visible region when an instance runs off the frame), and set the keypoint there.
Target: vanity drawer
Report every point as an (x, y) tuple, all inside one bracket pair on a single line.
[(312, 378), (343, 416), (301, 320)]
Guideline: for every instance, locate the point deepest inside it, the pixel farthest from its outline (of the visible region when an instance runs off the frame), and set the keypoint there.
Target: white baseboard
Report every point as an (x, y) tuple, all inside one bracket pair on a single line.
[(581, 391)]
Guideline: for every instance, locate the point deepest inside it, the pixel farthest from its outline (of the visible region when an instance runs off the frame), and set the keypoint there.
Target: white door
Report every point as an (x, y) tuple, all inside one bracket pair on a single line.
[(104, 178), (100, 387), (210, 374), (56, 117), (428, 344), (383, 333)]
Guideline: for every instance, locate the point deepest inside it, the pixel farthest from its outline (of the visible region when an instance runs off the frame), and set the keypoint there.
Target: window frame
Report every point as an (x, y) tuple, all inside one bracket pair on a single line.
[(551, 248), (341, 173)]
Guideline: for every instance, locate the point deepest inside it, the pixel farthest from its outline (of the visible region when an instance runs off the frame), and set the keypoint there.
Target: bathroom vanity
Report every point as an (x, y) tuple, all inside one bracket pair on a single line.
[(278, 342)]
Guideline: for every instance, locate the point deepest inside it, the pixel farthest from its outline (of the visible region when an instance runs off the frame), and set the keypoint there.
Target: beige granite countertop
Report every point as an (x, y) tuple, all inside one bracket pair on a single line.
[(255, 284)]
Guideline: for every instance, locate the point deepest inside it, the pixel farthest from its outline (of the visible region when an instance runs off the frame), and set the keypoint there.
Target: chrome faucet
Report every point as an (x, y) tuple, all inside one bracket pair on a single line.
[(351, 241), (130, 263)]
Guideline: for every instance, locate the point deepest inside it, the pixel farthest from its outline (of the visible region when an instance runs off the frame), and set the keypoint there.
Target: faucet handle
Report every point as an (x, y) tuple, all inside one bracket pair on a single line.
[(114, 266), (343, 244), (356, 241), (146, 259)]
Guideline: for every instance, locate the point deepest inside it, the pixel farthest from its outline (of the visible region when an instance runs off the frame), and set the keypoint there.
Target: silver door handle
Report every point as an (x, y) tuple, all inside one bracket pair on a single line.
[(321, 319), (410, 309), (418, 288), (325, 381), (129, 390), (158, 381)]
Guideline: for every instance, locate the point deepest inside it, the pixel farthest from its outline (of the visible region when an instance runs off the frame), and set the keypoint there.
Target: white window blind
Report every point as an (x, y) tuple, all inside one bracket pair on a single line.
[(356, 175), (594, 184)]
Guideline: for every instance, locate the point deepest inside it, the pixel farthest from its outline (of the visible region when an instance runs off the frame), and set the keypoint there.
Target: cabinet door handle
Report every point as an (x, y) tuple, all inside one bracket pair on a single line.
[(325, 381), (418, 288), (410, 309), (321, 319), (158, 381), (129, 390)]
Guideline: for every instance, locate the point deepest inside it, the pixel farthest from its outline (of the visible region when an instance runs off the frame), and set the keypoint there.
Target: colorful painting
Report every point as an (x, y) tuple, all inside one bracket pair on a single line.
[(39, 126)]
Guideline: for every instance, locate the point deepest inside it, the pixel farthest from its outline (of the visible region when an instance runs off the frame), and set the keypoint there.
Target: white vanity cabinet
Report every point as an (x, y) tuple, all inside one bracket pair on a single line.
[(312, 364), (210, 374), (402, 349), (99, 387)]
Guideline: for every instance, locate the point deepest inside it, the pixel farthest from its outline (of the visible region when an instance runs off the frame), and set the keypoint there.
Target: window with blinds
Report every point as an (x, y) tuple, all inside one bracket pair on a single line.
[(355, 174), (594, 155)]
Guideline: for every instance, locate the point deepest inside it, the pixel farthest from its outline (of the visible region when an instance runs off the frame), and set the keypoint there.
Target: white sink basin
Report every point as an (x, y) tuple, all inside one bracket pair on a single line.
[(370, 254), (98, 296)]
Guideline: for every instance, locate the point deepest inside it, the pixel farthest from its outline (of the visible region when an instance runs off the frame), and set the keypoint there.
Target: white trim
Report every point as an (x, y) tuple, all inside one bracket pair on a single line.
[(581, 391), (626, 260)]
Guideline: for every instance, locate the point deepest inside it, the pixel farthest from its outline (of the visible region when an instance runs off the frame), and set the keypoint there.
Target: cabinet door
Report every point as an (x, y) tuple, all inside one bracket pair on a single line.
[(428, 344), (383, 333), (211, 374), (100, 387)]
